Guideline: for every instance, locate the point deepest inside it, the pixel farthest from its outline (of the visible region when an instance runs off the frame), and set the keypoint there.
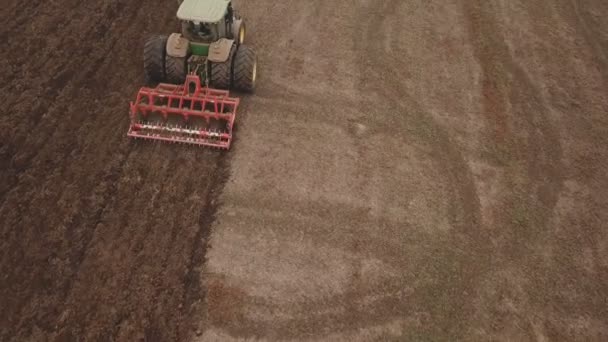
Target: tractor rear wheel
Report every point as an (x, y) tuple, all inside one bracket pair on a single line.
[(245, 69), (221, 72), (221, 76), (154, 58), (175, 69)]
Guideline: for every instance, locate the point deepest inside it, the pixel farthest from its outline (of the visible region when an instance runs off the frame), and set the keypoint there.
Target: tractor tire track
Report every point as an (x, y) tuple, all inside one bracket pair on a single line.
[(588, 25), (464, 208), (531, 156), (453, 268), (539, 150), (463, 191)]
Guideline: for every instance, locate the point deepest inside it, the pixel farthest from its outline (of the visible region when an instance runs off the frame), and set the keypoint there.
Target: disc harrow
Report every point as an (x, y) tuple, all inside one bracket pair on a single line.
[(188, 113)]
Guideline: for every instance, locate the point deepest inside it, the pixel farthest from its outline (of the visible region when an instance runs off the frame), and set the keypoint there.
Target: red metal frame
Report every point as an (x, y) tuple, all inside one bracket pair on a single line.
[(186, 102)]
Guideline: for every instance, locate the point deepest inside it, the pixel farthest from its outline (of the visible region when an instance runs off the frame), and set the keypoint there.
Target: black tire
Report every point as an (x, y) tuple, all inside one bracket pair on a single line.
[(221, 76), (245, 69), (154, 58), (176, 69)]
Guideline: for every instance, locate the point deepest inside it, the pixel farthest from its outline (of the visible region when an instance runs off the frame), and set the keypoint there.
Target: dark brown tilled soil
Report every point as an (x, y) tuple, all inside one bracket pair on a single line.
[(102, 237)]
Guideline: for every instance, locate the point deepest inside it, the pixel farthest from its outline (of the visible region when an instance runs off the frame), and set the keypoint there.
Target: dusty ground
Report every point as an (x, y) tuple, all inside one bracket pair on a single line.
[(407, 170)]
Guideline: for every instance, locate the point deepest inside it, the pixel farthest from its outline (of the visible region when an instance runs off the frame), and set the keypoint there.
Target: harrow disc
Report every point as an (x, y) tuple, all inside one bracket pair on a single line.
[(188, 113)]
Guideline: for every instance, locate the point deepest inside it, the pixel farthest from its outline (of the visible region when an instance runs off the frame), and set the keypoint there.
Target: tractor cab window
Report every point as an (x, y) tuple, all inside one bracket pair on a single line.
[(198, 31), (203, 30)]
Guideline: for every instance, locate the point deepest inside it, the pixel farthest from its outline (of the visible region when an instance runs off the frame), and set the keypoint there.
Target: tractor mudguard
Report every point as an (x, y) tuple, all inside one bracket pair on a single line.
[(177, 45), (219, 51)]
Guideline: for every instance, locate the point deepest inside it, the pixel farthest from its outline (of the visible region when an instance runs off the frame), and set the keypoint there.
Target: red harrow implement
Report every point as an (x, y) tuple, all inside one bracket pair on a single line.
[(188, 113)]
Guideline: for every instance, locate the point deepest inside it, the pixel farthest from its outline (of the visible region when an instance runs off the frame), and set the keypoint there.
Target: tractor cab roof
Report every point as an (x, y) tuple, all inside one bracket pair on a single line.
[(204, 11)]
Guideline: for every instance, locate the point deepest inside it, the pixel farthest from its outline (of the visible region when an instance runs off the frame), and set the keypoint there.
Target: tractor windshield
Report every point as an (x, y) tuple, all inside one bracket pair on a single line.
[(204, 32)]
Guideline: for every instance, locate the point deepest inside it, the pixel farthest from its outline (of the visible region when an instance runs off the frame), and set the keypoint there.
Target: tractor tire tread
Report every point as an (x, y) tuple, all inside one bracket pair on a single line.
[(244, 68), (154, 58), (176, 69), (221, 75)]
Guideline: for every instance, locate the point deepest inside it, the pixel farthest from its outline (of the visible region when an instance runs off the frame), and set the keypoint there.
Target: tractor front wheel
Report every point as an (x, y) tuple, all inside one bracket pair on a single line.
[(154, 58), (245, 69)]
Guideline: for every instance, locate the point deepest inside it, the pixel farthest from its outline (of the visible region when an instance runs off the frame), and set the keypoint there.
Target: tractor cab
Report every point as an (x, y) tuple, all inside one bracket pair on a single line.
[(206, 21)]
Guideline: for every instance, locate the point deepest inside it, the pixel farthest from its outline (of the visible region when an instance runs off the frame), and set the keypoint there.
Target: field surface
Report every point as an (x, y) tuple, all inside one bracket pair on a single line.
[(407, 170)]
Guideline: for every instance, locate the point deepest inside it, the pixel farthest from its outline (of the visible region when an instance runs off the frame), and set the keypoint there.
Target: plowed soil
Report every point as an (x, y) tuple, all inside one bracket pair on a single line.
[(406, 170)]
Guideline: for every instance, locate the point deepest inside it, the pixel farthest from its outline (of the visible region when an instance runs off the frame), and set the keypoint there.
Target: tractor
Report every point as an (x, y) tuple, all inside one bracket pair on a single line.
[(194, 71)]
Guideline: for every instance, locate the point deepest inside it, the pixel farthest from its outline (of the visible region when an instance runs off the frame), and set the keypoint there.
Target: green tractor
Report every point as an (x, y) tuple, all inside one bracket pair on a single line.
[(210, 45), (194, 71)]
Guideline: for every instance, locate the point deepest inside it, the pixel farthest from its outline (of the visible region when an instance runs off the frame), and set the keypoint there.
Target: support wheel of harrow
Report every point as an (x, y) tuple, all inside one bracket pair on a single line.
[(154, 59), (175, 69), (245, 69), (221, 76)]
